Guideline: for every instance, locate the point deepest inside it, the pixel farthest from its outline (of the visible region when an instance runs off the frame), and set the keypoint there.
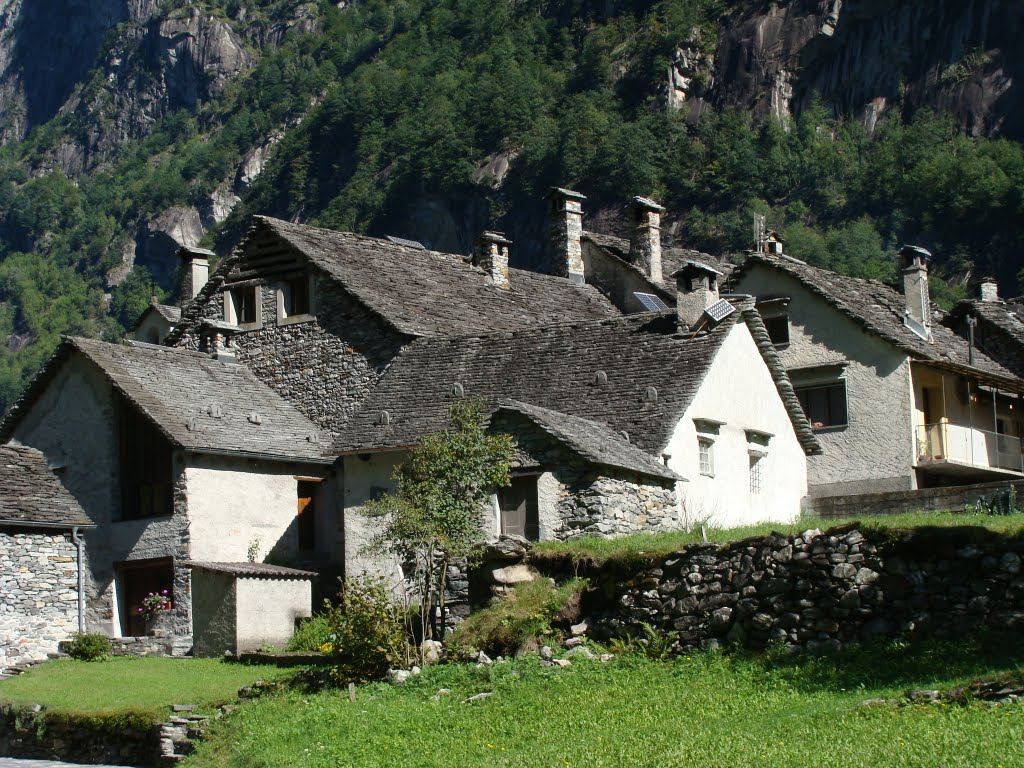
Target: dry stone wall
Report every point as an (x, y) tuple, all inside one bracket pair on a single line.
[(38, 594), (820, 591)]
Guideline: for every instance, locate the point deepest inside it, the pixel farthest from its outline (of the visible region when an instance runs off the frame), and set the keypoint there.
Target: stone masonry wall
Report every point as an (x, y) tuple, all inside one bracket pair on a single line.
[(577, 497), (38, 593), (820, 591), (323, 366)]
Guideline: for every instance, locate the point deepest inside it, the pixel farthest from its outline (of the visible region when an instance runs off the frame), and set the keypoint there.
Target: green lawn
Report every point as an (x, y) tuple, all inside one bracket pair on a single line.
[(600, 550), (146, 685), (704, 711)]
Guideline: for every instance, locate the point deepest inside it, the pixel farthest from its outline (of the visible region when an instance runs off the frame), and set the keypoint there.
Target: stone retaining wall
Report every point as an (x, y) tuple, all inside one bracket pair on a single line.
[(1000, 496), (38, 593), (818, 591)]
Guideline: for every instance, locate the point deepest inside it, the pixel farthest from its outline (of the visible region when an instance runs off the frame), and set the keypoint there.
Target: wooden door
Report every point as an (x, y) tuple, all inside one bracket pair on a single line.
[(306, 518), (518, 503)]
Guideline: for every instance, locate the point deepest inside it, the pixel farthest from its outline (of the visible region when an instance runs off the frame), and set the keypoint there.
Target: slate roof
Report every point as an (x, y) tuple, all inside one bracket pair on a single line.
[(30, 493), (672, 258), (168, 312), (252, 570), (182, 391), (591, 440), (556, 368), (880, 309), (427, 293)]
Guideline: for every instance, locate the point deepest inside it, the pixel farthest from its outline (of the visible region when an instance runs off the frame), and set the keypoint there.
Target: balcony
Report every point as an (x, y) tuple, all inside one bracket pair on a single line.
[(963, 451)]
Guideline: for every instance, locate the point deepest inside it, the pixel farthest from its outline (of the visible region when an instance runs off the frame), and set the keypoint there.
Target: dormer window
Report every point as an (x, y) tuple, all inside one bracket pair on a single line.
[(242, 306), (295, 300), (775, 313)]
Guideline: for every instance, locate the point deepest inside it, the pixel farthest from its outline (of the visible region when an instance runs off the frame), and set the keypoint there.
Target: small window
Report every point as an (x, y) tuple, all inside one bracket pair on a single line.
[(778, 329), (306, 517), (756, 465), (825, 405), (294, 300), (706, 455), (242, 306)]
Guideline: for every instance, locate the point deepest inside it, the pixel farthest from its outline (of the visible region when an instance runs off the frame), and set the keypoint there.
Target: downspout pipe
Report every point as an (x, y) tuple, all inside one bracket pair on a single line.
[(80, 547)]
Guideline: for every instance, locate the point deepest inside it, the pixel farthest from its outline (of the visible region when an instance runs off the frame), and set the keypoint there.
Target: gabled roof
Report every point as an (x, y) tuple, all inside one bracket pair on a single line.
[(168, 312), (672, 258), (31, 495), (591, 440), (650, 376), (1001, 314), (427, 293), (182, 392), (880, 309)]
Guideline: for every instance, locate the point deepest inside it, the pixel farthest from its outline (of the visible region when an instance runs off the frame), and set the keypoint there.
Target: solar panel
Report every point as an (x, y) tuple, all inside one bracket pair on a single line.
[(720, 310), (407, 243), (651, 302)]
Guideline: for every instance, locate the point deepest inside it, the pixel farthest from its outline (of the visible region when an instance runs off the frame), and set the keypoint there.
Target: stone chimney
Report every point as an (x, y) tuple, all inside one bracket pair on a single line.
[(490, 253), (696, 290), (195, 269), (565, 233), (913, 264), (988, 289), (645, 236)]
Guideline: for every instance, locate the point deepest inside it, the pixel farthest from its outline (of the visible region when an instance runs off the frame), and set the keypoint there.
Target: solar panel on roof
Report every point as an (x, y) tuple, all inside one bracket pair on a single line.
[(407, 243), (720, 310), (651, 302)]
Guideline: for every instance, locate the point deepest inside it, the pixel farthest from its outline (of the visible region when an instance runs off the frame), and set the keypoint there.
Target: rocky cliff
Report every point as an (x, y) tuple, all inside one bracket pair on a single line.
[(863, 58)]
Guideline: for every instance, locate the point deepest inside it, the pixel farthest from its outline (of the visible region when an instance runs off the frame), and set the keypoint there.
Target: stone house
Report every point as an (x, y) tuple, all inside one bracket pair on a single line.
[(898, 400), (42, 558), (992, 325), (176, 457), (156, 322)]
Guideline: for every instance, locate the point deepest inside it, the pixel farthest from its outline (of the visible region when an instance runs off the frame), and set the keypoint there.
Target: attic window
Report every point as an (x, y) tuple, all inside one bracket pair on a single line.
[(145, 466), (775, 313), (242, 307), (295, 300)]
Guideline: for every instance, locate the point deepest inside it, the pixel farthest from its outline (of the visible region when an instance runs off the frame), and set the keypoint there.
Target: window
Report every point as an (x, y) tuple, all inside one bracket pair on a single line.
[(294, 300), (518, 507), (145, 461), (306, 515), (756, 465), (706, 456), (825, 405), (242, 306), (778, 329)]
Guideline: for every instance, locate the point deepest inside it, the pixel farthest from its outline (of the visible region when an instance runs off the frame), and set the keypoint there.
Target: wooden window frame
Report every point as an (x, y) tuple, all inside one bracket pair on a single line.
[(145, 466), (286, 314)]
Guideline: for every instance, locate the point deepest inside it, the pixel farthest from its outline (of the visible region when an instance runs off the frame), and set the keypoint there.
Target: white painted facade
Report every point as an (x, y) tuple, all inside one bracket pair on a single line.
[(367, 476), (738, 411)]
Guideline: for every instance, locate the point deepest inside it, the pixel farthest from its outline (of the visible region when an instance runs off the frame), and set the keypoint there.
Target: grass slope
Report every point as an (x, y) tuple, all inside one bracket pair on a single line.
[(707, 710), (148, 685)]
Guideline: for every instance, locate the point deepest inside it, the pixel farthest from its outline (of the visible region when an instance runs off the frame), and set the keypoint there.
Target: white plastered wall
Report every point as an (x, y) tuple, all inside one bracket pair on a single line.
[(367, 476), (738, 390)]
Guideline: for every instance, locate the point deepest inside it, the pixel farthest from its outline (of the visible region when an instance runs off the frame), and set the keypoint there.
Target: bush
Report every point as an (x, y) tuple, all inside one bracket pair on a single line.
[(312, 635), (367, 632), (88, 647)]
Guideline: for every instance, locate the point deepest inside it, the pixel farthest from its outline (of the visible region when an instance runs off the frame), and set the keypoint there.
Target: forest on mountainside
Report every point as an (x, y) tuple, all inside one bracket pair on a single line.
[(433, 119)]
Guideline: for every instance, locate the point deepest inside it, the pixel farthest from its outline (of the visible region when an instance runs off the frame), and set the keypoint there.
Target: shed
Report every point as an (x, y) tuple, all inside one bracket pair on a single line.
[(240, 607)]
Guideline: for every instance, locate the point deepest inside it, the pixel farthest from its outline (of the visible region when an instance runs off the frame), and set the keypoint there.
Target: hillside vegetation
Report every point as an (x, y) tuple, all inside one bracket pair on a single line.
[(389, 112)]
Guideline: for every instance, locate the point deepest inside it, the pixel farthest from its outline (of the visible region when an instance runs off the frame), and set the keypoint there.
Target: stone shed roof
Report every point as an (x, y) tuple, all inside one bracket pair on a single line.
[(252, 570), (426, 293), (200, 404), (31, 495), (633, 374), (880, 309), (591, 440)]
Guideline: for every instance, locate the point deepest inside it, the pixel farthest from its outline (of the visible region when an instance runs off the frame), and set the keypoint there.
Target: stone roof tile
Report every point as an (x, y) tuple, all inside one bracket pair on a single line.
[(252, 570), (30, 493)]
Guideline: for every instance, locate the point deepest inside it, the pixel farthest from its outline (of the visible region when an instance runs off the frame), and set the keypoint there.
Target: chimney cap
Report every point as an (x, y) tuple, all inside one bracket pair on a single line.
[(695, 267), (562, 192), (915, 251), (189, 253), (645, 203), (493, 236)]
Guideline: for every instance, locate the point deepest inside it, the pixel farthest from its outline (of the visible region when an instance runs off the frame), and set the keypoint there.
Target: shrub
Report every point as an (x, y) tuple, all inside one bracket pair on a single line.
[(88, 647), (312, 635), (649, 642), (519, 621), (367, 632)]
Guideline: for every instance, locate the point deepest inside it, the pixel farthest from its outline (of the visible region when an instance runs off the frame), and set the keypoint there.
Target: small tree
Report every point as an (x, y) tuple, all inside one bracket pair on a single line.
[(434, 515)]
